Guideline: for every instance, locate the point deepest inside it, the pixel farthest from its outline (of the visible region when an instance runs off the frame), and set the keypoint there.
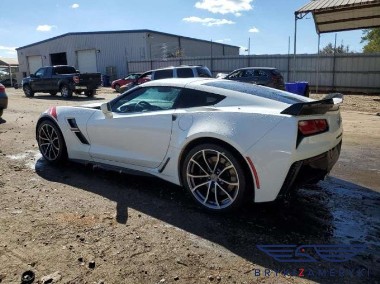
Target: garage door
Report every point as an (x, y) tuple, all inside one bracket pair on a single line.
[(34, 63), (87, 61)]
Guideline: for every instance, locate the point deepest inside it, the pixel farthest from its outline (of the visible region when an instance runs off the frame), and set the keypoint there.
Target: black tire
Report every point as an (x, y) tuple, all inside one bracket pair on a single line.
[(66, 92), (117, 88), (51, 143), (28, 91), (90, 93), (53, 93), (214, 177), (1, 112)]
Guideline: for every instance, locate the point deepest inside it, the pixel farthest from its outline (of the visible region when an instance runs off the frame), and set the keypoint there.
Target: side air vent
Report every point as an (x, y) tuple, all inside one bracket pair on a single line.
[(74, 128)]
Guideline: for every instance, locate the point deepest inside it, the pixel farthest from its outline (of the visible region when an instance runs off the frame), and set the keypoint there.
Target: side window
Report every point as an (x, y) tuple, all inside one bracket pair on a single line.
[(263, 73), (163, 74), (204, 72), (185, 73), (236, 74), (249, 73), (194, 98), (40, 72), (146, 99)]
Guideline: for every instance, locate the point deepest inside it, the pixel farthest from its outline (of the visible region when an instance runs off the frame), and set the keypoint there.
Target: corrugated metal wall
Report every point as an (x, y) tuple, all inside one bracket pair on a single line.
[(344, 72), (115, 49)]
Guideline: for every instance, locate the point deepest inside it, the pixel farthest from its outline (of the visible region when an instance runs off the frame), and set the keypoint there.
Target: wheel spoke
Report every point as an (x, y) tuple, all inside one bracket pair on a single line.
[(199, 185), (202, 176), (208, 192), (204, 158), (225, 192), (217, 162), (195, 162), (216, 196), (229, 183), (226, 168)]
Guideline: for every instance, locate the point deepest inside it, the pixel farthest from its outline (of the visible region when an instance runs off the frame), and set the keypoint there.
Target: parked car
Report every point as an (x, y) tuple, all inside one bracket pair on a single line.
[(183, 71), (124, 81), (224, 141), (3, 99), (8, 83), (61, 78), (265, 76)]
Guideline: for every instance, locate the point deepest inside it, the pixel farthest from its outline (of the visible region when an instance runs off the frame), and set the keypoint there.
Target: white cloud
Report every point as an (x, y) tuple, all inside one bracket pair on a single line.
[(75, 6), (254, 30), (9, 49), (45, 28), (223, 40), (208, 21), (225, 6)]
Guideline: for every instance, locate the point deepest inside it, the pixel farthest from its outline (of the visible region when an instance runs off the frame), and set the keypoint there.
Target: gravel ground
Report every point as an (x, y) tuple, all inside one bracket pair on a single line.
[(74, 224)]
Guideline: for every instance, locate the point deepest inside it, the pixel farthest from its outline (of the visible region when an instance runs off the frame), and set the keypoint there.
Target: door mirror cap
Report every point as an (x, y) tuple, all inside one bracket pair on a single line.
[(106, 109)]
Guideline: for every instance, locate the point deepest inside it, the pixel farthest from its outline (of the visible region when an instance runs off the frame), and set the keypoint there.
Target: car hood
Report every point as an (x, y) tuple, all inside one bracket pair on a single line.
[(93, 105)]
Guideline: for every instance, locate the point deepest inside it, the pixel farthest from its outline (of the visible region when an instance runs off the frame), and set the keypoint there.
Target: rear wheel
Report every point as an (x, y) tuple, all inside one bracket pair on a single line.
[(28, 91), (51, 143), (117, 88), (66, 92), (90, 93), (214, 177)]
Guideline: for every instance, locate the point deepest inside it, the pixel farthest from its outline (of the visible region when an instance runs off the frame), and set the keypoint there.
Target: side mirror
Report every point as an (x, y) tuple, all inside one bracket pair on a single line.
[(106, 109)]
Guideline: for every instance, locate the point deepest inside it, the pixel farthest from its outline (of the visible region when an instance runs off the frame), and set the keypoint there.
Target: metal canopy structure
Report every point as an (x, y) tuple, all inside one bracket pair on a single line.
[(342, 15), (9, 63), (336, 16)]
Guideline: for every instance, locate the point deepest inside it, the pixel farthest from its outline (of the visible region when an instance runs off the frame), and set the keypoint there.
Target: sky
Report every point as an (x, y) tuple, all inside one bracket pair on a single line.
[(267, 23)]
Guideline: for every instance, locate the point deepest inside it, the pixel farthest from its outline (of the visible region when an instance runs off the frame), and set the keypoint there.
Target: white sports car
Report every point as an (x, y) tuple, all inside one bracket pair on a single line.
[(226, 142)]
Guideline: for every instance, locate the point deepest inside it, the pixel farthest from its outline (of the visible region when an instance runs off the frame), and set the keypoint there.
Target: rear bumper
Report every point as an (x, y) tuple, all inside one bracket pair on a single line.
[(310, 171)]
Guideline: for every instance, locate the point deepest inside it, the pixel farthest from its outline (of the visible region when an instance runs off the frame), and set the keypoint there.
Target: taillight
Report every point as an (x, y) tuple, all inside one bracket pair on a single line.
[(2, 89), (313, 126), (76, 79)]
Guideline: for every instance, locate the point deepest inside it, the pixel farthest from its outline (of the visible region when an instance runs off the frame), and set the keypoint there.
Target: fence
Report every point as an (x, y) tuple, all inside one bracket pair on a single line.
[(355, 72)]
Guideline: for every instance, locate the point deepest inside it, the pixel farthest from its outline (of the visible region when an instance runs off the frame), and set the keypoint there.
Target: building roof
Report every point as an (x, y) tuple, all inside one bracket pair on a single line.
[(342, 15), (8, 61), (121, 32)]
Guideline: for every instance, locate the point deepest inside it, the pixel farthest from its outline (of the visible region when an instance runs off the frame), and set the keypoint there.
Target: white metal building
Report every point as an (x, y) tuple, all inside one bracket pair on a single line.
[(109, 52)]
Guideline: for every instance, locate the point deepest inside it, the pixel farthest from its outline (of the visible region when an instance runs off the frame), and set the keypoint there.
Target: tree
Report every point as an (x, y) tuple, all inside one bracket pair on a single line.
[(372, 39), (329, 49)]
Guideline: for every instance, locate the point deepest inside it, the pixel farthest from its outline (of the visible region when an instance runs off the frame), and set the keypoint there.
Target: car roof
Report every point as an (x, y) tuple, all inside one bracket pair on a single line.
[(261, 68)]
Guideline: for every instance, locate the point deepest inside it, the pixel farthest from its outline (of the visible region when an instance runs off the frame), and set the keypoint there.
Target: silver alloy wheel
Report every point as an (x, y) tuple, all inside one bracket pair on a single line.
[(49, 143), (213, 179), (65, 91)]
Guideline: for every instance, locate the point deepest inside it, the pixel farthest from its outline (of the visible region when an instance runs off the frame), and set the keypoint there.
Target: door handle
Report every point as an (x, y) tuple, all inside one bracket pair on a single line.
[(174, 117)]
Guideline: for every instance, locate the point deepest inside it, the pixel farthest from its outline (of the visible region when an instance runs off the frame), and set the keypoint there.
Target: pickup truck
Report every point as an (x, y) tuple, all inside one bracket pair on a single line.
[(61, 78)]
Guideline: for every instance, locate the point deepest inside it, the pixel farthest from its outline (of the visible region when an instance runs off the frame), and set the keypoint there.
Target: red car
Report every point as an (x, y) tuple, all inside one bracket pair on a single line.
[(121, 82)]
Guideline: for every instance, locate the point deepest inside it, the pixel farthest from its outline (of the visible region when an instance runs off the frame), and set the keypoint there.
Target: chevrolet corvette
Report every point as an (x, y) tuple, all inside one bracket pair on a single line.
[(226, 142)]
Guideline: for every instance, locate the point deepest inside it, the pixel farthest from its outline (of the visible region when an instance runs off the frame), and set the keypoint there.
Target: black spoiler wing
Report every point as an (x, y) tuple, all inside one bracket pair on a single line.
[(310, 108)]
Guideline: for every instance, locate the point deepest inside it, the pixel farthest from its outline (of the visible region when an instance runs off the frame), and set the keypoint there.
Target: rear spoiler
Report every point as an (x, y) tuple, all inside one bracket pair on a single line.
[(331, 102)]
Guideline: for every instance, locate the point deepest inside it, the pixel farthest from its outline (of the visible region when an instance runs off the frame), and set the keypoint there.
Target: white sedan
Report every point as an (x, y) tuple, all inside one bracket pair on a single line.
[(226, 142)]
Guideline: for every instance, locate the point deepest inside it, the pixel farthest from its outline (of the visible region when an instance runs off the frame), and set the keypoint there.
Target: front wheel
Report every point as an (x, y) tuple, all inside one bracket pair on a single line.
[(51, 143), (66, 92), (214, 177), (28, 91)]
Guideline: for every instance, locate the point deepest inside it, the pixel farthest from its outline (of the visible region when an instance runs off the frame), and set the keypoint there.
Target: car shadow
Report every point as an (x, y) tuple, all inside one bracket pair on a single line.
[(60, 98), (331, 212)]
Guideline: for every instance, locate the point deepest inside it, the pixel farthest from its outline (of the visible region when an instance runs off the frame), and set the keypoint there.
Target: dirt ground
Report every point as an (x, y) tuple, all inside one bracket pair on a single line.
[(74, 224)]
